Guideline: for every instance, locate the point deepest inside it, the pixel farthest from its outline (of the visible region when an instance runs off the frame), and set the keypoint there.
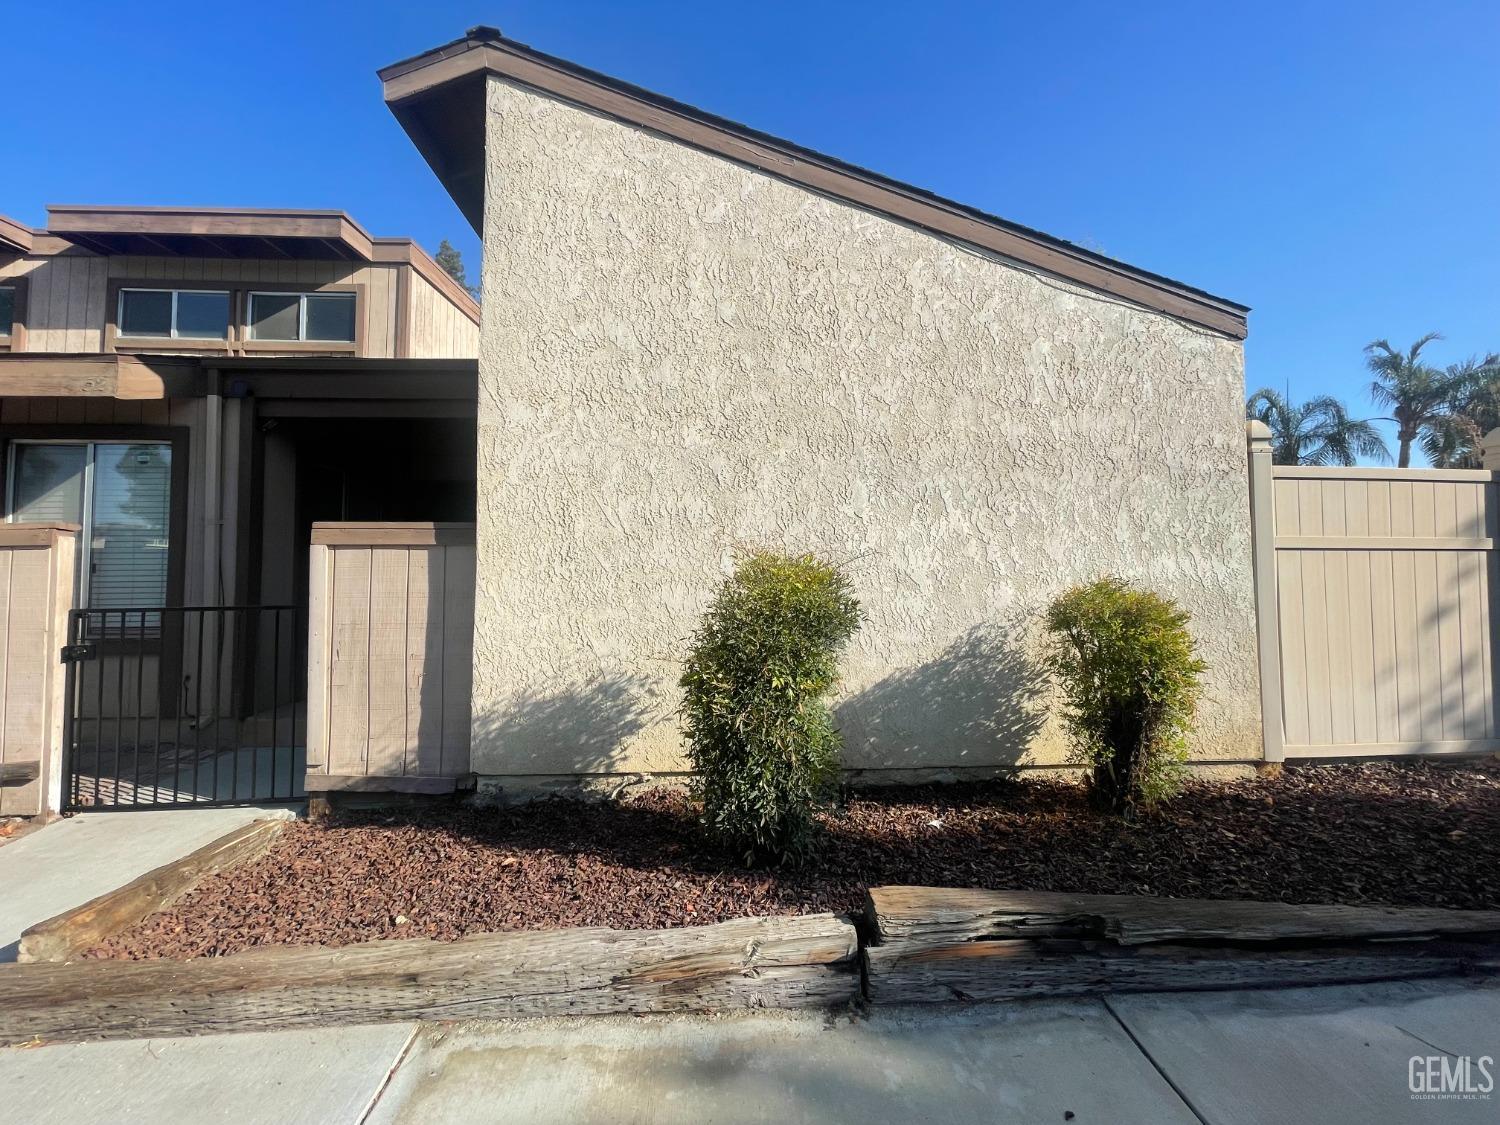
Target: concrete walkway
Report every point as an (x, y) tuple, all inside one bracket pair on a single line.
[(73, 860), (1330, 1055)]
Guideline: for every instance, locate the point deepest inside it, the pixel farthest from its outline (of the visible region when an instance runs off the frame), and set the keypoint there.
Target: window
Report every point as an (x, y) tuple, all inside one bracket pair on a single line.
[(120, 492), (320, 317), (7, 310), (177, 314)]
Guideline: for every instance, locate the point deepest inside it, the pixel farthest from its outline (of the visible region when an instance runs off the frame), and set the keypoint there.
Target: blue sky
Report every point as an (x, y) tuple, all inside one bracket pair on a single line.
[(1335, 166)]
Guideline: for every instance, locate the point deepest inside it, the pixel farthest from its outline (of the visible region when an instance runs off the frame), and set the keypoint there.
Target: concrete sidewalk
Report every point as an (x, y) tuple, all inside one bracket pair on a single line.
[(1330, 1055), (73, 860)]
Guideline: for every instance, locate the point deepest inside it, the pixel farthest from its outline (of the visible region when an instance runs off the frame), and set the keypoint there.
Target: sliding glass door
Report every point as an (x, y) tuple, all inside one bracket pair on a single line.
[(121, 494)]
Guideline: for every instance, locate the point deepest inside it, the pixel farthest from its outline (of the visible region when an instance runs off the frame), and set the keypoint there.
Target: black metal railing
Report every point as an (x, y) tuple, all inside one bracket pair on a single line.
[(185, 705)]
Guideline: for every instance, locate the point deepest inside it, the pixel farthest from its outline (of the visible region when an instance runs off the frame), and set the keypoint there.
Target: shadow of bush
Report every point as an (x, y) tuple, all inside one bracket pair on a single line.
[(979, 703)]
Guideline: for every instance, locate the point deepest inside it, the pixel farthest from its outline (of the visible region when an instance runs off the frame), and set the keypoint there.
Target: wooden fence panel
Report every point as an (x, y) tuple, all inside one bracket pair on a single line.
[(1377, 609), (36, 590), (391, 639)]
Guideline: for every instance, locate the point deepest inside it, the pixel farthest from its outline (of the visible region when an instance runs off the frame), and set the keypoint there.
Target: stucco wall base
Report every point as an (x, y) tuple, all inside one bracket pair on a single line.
[(505, 790)]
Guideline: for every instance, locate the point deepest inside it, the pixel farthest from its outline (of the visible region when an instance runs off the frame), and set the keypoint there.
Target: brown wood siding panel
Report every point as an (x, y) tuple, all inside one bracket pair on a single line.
[(378, 313), (93, 311), (387, 670), (75, 324), (426, 624), (47, 300), (437, 329), (349, 661)]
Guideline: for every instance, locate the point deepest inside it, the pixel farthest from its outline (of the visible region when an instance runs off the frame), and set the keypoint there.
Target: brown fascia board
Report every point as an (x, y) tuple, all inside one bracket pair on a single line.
[(407, 252), (15, 238), (334, 226), (431, 91)]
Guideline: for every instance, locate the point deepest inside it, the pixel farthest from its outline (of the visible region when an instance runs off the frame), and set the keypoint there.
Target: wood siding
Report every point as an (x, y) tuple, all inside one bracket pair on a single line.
[(390, 651), (1383, 604), (36, 589), (66, 302), (438, 329)]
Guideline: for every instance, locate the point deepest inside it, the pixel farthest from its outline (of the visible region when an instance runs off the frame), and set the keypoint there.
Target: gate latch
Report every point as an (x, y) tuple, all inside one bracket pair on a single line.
[(72, 654)]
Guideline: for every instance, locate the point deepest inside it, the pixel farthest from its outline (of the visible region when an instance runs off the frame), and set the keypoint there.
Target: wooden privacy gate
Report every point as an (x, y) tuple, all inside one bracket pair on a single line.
[(1377, 625), (390, 655)]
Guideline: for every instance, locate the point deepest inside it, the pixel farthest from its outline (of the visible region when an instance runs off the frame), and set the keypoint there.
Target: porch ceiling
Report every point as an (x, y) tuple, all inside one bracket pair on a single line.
[(299, 383)]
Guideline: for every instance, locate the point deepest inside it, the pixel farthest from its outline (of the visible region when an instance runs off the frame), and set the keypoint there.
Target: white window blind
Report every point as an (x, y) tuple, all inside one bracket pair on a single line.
[(128, 539)]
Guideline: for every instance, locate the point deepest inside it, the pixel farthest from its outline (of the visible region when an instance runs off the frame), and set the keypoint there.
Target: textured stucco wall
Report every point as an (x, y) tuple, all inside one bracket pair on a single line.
[(680, 355)]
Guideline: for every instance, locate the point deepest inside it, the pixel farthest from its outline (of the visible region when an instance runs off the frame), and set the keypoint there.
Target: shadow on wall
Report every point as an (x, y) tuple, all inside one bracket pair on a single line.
[(581, 730), (978, 704)]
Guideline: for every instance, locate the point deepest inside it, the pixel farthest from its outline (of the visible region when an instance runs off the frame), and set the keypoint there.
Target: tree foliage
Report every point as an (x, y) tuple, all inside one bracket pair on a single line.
[(1455, 441), (1130, 678), (1422, 398), (449, 257), (755, 714), (1316, 432)]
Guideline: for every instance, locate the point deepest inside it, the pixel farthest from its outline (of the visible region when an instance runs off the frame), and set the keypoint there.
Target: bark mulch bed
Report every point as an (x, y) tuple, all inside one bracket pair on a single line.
[(1399, 834)]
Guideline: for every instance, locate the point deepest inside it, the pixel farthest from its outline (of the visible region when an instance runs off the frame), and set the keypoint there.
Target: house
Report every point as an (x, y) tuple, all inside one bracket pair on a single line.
[(699, 336), (195, 388), (283, 516)]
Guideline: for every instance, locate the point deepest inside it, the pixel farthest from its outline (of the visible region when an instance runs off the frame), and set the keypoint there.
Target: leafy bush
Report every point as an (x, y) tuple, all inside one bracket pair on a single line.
[(1130, 675), (755, 713)]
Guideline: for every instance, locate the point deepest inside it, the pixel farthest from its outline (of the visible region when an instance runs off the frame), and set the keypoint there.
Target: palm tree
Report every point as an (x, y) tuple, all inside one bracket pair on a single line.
[(1474, 412), (1420, 397), (1316, 432)]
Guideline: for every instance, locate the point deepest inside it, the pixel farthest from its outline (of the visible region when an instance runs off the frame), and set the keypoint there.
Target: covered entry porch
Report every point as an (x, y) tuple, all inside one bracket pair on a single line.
[(195, 485)]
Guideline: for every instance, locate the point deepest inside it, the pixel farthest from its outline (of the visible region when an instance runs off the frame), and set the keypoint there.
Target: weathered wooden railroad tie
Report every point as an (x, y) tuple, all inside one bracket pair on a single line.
[(932, 944)]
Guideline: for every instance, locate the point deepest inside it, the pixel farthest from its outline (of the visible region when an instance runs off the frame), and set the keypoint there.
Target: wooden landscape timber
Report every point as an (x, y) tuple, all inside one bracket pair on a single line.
[(1013, 969), (83, 927), (946, 914), (796, 962), (938, 944)]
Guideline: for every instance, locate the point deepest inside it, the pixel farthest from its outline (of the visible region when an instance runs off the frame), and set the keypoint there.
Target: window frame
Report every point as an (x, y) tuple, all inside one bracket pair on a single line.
[(351, 295), (238, 341), (15, 339), (203, 341)]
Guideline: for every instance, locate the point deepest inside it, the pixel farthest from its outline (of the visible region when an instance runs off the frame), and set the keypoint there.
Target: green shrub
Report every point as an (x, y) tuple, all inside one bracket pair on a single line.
[(755, 712), (1130, 676)]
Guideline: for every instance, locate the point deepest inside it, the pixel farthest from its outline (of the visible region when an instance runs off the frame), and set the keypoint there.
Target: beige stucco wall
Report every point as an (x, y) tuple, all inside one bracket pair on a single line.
[(680, 355)]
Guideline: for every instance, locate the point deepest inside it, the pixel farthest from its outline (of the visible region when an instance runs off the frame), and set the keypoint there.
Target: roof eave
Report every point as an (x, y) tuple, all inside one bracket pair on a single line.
[(438, 97), (15, 238)]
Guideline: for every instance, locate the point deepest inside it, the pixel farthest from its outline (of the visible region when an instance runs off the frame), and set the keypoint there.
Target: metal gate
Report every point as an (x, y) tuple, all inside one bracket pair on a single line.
[(184, 706)]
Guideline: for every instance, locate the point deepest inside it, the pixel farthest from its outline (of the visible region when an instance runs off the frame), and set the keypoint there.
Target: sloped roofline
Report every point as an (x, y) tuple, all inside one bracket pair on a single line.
[(438, 96), (15, 238)]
